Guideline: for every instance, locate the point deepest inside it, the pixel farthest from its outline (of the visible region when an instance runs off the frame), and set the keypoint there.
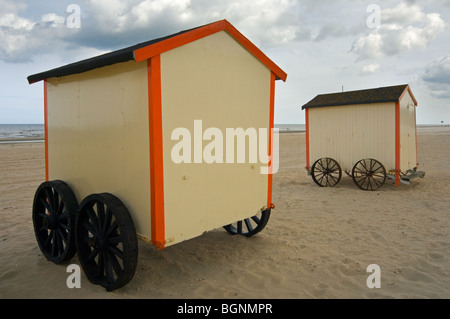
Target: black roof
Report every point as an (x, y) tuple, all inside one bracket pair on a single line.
[(378, 95), (122, 55)]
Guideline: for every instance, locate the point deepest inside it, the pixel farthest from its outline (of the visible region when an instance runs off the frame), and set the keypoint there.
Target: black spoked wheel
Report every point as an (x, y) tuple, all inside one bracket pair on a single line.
[(54, 207), (326, 172), (106, 241), (250, 226), (369, 174)]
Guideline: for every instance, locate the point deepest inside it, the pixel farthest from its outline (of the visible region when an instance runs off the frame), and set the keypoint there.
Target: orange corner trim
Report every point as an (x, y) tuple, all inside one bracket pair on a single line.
[(408, 89), (271, 126), (204, 31), (156, 152), (397, 143), (307, 139), (46, 129)]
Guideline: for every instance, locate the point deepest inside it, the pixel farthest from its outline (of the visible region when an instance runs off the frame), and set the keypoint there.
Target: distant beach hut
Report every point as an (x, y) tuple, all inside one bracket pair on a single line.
[(369, 134), (110, 128)]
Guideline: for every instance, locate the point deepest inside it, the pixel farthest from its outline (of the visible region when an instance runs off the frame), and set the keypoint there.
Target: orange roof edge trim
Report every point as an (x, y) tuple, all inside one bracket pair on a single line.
[(204, 31), (408, 89)]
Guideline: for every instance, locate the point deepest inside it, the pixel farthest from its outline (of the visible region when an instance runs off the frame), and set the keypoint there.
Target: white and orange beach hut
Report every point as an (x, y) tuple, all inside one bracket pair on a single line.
[(369, 134), (109, 138)]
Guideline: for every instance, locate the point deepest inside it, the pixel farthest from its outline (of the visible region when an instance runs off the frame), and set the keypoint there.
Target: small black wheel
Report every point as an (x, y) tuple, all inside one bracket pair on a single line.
[(326, 172), (369, 174), (252, 225), (54, 208), (106, 241)]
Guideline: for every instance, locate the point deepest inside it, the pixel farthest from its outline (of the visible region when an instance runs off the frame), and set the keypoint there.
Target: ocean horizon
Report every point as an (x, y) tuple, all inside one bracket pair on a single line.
[(33, 132)]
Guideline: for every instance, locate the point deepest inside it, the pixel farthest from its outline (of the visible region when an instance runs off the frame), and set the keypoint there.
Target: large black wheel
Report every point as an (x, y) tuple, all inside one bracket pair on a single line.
[(326, 172), (369, 174), (250, 226), (106, 241), (54, 208)]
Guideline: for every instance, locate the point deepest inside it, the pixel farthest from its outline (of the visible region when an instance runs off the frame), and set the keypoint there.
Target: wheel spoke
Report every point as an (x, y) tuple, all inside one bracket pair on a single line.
[(239, 227), (248, 225), (321, 165), (116, 251), (55, 203), (108, 267), (369, 183), (65, 227), (94, 253), (49, 198), (100, 215), (321, 179), (46, 204), (93, 218), (60, 210), (112, 228), (361, 180), (100, 265), (335, 179), (256, 219), (48, 240), (62, 236), (53, 242), (115, 264), (108, 219), (115, 240), (89, 227), (63, 216)]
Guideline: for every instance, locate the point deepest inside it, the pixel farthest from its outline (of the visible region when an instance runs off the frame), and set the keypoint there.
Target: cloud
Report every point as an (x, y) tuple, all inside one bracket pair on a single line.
[(112, 24), (403, 28), (13, 32), (437, 78), (22, 37), (370, 68)]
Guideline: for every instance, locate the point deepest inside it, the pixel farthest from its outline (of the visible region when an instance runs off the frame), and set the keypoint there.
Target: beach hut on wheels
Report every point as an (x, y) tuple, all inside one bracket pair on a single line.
[(369, 134), (138, 136)]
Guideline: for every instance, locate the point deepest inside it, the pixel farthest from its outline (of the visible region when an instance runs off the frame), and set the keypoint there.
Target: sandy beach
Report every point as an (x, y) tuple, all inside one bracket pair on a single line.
[(317, 244)]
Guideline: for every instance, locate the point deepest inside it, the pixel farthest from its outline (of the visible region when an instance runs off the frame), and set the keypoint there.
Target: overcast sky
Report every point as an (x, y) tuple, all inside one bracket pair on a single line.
[(322, 45)]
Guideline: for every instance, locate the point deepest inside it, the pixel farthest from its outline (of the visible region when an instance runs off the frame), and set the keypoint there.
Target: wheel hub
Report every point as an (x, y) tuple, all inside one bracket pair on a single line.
[(50, 222), (99, 241)]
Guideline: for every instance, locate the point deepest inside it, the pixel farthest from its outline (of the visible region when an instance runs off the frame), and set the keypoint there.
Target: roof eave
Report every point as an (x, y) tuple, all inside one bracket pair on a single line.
[(166, 44), (345, 104)]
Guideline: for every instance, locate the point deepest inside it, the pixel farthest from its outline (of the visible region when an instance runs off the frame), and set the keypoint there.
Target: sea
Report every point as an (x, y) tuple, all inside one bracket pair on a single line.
[(21, 132), (284, 128), (35, 132)]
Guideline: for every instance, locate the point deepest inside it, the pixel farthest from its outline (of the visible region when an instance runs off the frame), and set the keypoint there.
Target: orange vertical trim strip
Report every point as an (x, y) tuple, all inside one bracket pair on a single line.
[(46, 128), (415, 125), (271, 126), (156, 152), (307, 139), (397, 143)]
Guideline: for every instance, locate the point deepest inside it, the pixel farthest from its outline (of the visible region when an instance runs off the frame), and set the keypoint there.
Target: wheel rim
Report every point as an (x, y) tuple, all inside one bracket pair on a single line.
[(106, 241), (250, 226), (369, 174), (326, 172), (54, 206)]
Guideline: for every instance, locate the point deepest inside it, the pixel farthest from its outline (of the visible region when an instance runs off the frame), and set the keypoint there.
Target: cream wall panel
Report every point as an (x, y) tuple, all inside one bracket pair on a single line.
[(353, 132), (408, 155), (98, 135), (219, 82)]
